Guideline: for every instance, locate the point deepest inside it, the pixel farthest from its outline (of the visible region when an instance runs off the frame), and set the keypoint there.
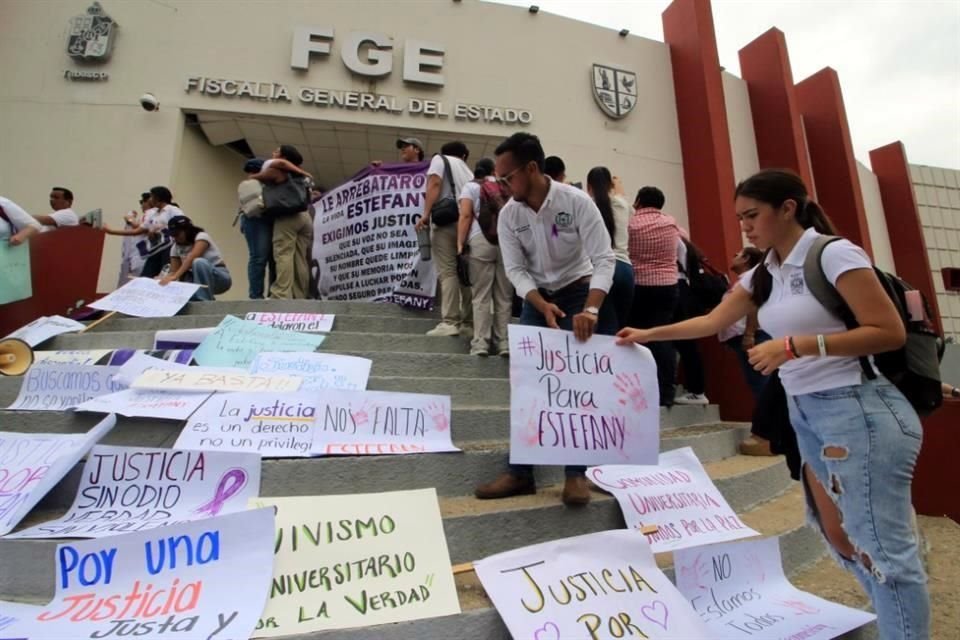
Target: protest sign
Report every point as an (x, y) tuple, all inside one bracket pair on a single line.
[(202, 379), (125, 489), (57, 387), (739, 590), (180, 338), (76, 356), (307, 322), (15, 280), (364, 241), (179, 356), (44, 328), (601, 585), (357, 560), (318, 370), (204, 579), (147, 298), (236, 342), (16, 614), (133, 403), (32, 463), (577, 402), (140, 362), (678, 496)]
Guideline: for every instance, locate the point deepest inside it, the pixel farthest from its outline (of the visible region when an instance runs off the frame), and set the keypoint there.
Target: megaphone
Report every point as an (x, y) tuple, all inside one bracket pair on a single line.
[(16, 356)]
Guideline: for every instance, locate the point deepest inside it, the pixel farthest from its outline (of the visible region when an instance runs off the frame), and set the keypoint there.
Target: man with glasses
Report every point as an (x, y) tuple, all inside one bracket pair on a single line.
[(557, 255)]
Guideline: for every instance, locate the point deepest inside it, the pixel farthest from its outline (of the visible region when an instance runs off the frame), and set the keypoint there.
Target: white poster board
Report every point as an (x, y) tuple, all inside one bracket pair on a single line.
[(202, 580), (70, 356), (165, 405), (601, 585), (147, 298), (678, 496), (58, 387), (739, 590), (203, 379), (318, 370), (584, 403), (140, 362), (368, 559), (180, 338), (32, 463), (126, 489), (305, 322), (236, 342), (44, 328)]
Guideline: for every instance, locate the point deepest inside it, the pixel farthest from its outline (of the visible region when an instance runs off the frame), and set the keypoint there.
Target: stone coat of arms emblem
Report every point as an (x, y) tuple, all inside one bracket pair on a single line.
[(91, 34), (615, 90)]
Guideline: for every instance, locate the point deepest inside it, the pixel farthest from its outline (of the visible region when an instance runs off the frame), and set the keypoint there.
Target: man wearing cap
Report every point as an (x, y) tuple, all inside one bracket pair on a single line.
[(257, 229), (411, 149)]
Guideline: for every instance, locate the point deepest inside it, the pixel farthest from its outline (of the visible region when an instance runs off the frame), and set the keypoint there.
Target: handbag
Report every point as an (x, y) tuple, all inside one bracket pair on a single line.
[(250, 194), (446, 210), (286, 198)]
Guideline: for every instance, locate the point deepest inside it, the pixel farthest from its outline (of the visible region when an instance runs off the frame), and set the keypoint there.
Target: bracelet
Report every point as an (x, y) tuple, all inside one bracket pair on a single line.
[(793, 348), (787, 349), (822, 345)]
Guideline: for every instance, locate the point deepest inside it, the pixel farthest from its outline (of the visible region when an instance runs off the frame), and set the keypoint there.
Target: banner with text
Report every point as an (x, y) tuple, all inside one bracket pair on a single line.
[(602, 585), (125, 489), (317, 370), (306, 322), (211, 379), (577, 402), (739, 590), (58, 387), (147, 298), (357, 560), (204, 579), (678, 496), (364, 240), (32, 463)]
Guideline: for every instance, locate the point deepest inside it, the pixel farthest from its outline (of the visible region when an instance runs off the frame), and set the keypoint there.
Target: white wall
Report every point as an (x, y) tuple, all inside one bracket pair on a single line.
[(938, 197), (876, 220), (743, 140)]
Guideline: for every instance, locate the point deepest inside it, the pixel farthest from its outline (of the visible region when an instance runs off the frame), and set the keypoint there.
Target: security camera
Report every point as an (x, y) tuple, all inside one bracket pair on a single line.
[(149, 102)]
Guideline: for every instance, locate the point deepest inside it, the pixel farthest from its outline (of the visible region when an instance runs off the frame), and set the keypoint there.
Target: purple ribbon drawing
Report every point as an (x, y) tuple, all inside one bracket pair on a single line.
[(230, 484)]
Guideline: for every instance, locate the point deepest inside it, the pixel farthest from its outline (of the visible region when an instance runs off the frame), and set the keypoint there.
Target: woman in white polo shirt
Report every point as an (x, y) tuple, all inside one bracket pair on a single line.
[(858, 438), (195, 258)]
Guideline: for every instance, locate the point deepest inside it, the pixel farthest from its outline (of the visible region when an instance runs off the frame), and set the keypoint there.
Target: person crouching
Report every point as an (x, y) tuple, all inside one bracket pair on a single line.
[(195, 258)]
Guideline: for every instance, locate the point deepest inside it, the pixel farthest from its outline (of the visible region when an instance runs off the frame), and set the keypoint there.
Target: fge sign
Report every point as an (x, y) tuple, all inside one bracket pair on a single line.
[(422, 61)]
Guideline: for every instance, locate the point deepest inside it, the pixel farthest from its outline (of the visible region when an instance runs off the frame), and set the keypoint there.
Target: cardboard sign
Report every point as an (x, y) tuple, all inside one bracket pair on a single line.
[(236, 342), (357, 560), (76, 356), (211, 380), (125, 489), (58, 387), (32, 463), (44, 328), (678, 496), (739, 590), (318, 370), (306, 322), (132, 403), (138, 363), (205, 579), (180, 338), (577, 402), (602, 585), (146, 298), (15, 279)]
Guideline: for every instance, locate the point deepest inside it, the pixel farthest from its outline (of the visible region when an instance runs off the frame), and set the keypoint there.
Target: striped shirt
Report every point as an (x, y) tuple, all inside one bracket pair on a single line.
[(652, 243)]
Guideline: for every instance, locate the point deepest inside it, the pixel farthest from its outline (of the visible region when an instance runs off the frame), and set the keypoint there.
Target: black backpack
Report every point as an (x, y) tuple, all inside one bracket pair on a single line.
[(707, 284), (913, 368)]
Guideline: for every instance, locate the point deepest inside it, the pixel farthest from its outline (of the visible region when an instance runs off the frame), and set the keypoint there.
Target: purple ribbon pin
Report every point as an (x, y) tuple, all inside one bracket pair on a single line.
[(230, 484)]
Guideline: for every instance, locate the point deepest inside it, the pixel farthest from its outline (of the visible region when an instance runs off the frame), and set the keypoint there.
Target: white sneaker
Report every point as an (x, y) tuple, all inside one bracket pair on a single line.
[(479, 351), (445, 330), (692, 398), (504, 352)]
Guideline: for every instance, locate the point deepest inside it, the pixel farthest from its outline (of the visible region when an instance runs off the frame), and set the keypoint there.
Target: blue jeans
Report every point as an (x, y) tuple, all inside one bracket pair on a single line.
[(755, 380), (571, 300), (879, 435), (259, 235), (215, 278), (621, 293)]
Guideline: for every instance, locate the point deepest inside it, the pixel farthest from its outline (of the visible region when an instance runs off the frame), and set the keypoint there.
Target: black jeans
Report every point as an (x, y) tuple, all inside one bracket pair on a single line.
[(655, 307), (154, 265), (571, 300), (688, 350)]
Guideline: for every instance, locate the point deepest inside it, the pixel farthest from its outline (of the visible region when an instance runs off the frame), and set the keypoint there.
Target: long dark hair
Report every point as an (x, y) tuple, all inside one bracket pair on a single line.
[(601, 182), (774, 187)]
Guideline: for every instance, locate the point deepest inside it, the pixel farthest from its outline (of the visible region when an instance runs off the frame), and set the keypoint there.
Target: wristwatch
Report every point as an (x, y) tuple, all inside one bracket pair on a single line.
[(594, 311), (955, 393)]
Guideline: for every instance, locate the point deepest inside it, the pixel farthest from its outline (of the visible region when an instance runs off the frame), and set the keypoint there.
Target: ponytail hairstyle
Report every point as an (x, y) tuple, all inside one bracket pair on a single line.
[(774, 187), (601, 183)]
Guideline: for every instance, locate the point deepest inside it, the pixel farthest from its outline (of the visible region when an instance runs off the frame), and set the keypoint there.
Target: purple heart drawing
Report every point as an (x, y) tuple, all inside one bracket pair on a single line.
[(548, 631), (656, 613)]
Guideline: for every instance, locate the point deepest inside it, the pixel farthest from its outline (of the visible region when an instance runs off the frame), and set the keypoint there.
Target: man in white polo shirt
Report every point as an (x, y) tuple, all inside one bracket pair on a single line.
[(61, 201), (558, 256)]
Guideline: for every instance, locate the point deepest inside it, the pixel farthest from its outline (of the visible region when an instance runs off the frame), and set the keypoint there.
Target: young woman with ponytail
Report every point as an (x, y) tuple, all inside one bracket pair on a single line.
[(616, 212), (858, 438)]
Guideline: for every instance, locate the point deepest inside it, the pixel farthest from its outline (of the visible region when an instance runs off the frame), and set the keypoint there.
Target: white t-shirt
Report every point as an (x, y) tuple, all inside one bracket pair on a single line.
[(156, 219), (212, 254), (792, 310), (621, 216), (63, 218), (471, 192), (20, 218), (461, 174)]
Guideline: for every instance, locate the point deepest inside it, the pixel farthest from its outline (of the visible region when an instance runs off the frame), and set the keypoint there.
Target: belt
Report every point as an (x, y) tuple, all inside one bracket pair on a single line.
[(576, 283)]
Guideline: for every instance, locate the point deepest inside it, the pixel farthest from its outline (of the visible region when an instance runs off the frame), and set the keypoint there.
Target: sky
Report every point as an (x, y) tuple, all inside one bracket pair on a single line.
[(898, 61)]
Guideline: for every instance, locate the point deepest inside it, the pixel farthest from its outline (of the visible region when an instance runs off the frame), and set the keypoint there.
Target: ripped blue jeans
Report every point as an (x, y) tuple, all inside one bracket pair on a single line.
[(861, 442)]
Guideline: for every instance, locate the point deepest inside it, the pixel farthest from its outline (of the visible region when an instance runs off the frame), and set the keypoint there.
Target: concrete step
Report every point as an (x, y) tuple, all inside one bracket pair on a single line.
[(240, 307), (473, 528), (355, 323)]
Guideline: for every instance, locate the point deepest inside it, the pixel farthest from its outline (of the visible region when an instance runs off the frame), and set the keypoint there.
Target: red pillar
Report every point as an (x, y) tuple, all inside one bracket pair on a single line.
[(890, 165), (707, 172), (777, 124), (831, 155)]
